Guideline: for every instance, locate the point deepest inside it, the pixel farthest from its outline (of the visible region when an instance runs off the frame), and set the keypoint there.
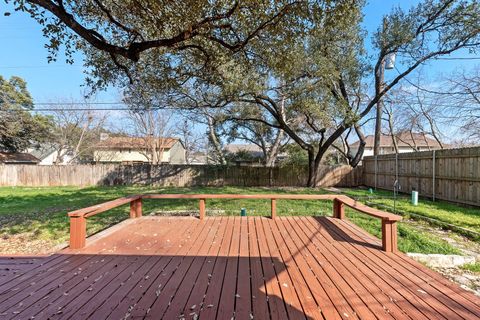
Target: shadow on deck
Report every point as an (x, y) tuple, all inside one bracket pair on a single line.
[(230, 267)]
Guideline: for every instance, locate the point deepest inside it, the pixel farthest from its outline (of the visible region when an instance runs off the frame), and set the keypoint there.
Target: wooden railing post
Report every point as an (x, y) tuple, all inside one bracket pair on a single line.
[(78, 232), (274, 208), (139, 207), (133, 209), (338, 209), (136, 208), (389, 235), (202, 209)]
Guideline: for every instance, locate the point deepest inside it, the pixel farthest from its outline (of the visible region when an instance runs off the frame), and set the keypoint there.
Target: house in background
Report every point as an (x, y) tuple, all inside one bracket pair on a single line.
[(18, 158), (130, 150), (406, 142), (198, 158), (48, 154), (247, 154)]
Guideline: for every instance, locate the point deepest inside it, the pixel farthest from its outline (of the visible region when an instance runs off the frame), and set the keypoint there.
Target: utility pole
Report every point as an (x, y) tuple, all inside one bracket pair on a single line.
[(388, 62), (378, 118)]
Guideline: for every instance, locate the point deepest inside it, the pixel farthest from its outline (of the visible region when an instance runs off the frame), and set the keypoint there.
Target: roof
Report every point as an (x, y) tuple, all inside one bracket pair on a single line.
[(404, 139), (42, 151), (17, 157), (135, 143), (234, 148)]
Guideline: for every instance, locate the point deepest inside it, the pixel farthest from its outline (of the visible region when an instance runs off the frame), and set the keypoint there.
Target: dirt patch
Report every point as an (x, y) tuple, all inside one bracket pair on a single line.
[(27, 244)]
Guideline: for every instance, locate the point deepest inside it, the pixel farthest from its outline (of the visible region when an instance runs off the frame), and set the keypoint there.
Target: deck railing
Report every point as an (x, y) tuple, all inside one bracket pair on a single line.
[(78, 226)]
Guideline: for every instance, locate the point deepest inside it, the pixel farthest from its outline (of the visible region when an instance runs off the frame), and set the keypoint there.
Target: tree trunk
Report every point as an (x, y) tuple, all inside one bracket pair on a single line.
[(312, 170), (272, 153), (215, 141)]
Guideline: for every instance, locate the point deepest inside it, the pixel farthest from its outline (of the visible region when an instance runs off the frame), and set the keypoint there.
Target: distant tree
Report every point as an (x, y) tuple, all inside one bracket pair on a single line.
[(246, 122), (296, 156), (77, 130), (242, 156), (464, 97), (413, 111), (191, 139), (153, 126), (19, 128)]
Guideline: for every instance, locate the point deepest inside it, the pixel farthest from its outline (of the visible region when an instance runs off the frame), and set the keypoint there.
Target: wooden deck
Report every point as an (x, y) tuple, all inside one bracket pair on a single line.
[(230, 267)]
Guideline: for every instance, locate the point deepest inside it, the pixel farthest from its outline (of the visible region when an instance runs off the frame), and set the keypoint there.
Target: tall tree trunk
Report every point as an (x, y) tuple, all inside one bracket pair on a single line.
[(272, 153), (275, 148), (312, 169), (154, 151), (215, 141), (76, 152), (58, 159)]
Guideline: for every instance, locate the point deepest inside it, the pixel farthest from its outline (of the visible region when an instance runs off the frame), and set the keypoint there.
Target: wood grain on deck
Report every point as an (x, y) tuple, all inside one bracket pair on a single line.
[(230, 267)]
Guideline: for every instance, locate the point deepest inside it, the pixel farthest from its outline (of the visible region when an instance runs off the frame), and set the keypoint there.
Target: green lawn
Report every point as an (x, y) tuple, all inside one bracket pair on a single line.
[(444, 212), (28, 215)]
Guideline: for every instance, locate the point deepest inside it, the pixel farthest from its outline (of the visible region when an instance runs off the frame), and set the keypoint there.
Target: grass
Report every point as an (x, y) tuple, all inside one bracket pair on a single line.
[(473, 267), (30, 215), (444, 212)]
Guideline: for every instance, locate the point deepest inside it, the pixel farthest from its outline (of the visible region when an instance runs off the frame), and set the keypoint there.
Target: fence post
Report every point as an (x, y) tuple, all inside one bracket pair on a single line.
[(274, 208), (338, 209), (202, 209), (78, 232), (433, 175)]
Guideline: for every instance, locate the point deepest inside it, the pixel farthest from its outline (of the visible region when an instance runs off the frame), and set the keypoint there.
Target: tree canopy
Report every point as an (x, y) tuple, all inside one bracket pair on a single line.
[(19, 129), (297, 66), (153, 39)]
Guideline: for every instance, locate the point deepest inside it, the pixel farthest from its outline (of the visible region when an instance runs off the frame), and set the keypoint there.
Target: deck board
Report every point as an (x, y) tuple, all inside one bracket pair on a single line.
[(230, 267)]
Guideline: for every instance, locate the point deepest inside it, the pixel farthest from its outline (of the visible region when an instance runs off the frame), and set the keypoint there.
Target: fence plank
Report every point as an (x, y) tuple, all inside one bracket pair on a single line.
[(457, 173)]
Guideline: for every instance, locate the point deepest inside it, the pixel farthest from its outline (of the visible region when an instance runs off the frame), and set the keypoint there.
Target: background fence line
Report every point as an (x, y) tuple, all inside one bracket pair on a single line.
[(173, 175), (450, 174)]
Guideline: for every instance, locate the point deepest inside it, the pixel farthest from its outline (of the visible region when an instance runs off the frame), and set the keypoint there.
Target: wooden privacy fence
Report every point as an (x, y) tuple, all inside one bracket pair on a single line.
[(450, 174), (172, 175), (78, 218)]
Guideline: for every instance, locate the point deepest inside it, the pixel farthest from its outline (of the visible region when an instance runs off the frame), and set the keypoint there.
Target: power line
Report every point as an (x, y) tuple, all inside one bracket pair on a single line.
[(79, 109), (39, 67), (458, 58), (95, 109), (77, 103)]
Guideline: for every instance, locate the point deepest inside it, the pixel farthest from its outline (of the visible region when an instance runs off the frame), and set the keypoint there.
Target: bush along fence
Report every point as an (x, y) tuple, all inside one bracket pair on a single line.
[(173, 175), (449, 174)]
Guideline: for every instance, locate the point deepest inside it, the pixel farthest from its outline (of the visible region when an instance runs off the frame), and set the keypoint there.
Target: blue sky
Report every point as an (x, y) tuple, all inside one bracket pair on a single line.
[(23, 54)]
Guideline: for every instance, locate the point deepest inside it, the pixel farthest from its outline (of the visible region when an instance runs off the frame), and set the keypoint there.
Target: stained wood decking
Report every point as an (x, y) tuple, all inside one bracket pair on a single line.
[(226, 267)]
